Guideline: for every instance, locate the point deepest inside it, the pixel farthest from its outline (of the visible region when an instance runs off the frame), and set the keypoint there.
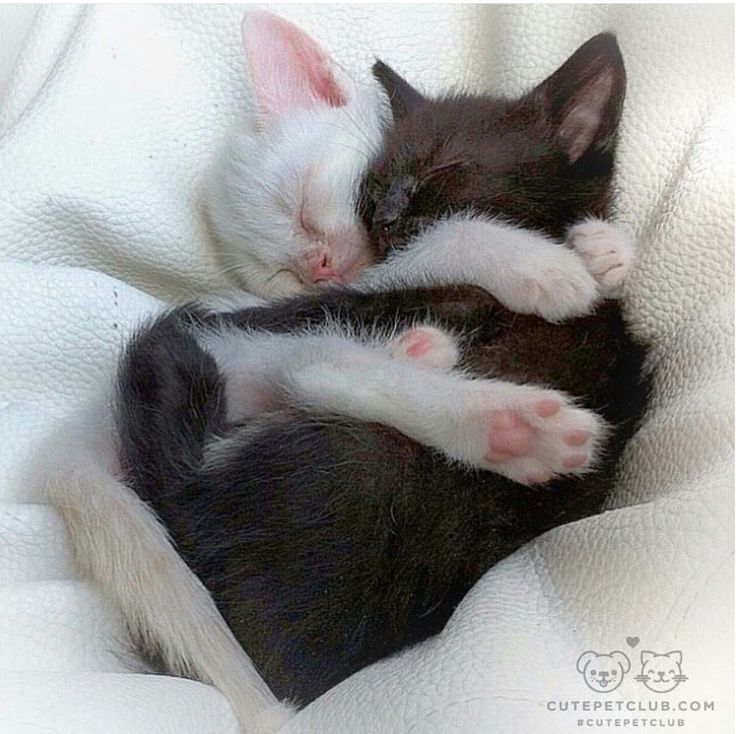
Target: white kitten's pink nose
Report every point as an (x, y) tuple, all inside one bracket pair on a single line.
[(319, 267), (340, 258)]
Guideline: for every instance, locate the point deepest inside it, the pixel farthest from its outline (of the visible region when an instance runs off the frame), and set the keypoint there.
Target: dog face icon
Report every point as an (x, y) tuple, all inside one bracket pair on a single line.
[(603, 673), (661, 673)]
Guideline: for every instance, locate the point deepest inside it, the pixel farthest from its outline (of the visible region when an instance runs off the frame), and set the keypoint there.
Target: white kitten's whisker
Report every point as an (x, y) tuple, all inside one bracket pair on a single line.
[(280, 272)]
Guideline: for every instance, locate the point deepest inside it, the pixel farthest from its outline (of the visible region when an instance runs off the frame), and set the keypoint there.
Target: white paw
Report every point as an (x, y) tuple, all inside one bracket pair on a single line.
[(552, 283), (425, 345), (524, 433), (605, 250)]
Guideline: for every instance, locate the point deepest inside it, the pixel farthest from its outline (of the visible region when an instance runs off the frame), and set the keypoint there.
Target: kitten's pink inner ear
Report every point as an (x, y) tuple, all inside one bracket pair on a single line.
[(584, 116), (289, 70)]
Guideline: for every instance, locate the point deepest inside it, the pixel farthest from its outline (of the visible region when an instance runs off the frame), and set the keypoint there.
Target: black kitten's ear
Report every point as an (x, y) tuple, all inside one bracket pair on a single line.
[(585, 96), (402, 96)]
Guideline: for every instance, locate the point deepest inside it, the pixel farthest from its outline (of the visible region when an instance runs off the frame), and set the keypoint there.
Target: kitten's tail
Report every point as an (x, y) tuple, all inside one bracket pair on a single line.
[(120, 544)]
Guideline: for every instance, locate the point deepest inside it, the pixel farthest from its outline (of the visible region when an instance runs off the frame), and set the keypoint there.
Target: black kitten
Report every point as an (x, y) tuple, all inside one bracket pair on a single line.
[(329, 543)]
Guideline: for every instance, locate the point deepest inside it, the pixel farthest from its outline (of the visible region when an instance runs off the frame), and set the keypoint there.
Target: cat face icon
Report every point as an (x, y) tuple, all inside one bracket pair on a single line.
[(603, 673), (661, 673)]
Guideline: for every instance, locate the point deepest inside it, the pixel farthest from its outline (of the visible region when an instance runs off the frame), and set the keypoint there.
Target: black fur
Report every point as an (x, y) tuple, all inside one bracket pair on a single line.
[(501, 157), (327, 543)]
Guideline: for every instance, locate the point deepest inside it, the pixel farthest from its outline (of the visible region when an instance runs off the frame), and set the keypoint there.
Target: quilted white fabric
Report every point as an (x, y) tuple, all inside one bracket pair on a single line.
[(108, 118)]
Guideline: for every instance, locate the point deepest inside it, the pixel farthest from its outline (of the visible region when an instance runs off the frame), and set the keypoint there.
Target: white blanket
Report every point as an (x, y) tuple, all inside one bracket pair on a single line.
[(109, 116)]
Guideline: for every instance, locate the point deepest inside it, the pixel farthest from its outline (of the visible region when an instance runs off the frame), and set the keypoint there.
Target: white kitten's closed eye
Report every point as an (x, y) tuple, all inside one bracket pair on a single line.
[(282, 193)]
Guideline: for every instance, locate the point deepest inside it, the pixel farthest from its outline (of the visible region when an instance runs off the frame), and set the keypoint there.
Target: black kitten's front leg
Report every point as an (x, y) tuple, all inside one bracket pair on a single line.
[(528, 272)]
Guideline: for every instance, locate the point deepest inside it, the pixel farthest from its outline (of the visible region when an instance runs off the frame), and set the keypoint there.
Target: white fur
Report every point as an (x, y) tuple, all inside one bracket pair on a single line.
[(330, 372), (606, 251), (229, 301), (526, 271), (119, 543), (304, 163)]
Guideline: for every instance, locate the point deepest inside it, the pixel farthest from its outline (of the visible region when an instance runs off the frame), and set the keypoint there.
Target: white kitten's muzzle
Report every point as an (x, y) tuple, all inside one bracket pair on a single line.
[(339, 257)]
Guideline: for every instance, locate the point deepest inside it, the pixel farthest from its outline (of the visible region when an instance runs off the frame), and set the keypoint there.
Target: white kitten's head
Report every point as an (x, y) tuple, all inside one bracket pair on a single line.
[(283, 192)]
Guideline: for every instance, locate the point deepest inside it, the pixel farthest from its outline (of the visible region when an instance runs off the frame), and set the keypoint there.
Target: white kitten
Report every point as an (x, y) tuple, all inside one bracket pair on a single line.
[(282, 195)]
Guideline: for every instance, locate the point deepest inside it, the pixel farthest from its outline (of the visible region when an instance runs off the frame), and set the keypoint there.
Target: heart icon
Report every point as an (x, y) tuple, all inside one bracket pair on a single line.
[(632, 641)]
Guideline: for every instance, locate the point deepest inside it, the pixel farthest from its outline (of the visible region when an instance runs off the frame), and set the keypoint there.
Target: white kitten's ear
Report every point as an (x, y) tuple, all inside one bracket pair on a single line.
[(675, 655), (288, 69), (646, 656)]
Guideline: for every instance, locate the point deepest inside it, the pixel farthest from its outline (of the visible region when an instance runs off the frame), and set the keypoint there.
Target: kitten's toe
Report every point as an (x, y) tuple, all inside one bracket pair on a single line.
[(569, 441), (606, 251), (426, 345), (560, 288)]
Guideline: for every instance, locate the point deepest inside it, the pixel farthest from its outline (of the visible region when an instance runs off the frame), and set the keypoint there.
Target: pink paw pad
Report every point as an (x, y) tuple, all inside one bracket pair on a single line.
[(530, 435), (426, 345), (547, 408), (509, 436), (416, 343), (576, 438)]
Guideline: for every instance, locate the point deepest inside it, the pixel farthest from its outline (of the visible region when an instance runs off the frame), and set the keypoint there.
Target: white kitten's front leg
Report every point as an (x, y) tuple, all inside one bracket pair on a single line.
[(526, 271), (525, 433), (257, 365), (606, 251)]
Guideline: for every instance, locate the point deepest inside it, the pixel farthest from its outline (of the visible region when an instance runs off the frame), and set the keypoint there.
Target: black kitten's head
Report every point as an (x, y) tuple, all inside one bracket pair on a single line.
[(543, 161)]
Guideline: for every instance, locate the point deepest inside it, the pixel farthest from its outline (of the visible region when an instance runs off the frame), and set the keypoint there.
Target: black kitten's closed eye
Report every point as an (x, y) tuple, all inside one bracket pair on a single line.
[(395, 201), (384, 208), (396, 209), (366, 203)]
